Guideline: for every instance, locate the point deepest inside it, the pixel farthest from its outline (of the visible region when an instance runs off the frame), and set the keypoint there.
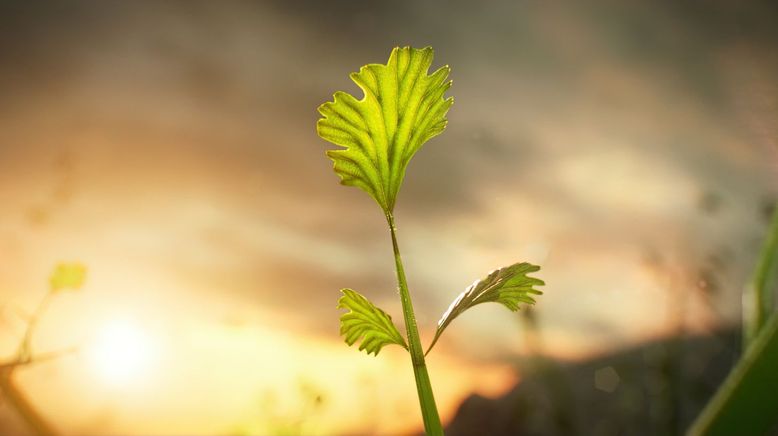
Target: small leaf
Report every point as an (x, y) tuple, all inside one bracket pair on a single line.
[(402, 108), (365, 320), (508, 286), (67, 276)]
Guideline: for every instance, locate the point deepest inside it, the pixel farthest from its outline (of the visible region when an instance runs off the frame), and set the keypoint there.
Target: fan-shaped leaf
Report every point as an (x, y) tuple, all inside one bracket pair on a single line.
[(508, 286), (365, 320), (402, 108)]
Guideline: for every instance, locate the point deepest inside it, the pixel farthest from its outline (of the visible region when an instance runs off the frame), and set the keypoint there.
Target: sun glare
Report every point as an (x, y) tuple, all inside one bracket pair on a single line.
[(122, 352)]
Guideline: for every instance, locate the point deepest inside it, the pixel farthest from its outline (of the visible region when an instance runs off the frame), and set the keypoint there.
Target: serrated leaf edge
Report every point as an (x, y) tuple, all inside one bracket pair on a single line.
[(379, 318), (388, 164), (497, 277)]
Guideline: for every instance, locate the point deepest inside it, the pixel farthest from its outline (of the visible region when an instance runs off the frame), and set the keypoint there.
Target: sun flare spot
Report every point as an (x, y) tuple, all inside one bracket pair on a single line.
[(121, 352)]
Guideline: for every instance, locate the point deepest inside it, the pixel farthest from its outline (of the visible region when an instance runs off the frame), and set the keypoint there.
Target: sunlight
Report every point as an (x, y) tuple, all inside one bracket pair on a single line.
[(121, 352)]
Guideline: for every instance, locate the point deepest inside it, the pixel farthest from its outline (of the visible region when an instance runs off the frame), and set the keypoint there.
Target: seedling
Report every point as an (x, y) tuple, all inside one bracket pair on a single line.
[(402, 108)]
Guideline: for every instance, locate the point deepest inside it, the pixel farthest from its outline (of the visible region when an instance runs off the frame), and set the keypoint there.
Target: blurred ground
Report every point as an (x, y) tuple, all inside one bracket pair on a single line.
[(655, 388)]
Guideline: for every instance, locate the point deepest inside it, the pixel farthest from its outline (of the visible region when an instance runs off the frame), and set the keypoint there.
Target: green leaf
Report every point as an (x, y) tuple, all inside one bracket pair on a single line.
[(67, 276), (508, 286), (365, 320), (402, 108)]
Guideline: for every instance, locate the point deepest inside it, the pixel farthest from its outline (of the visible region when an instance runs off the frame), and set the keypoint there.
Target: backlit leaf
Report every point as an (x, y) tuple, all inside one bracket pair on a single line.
[(509, 286), (366, 321), (401, 109)]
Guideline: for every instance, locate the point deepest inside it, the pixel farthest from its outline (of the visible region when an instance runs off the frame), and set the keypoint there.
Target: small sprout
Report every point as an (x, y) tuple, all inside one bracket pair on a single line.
[(64, 276), (402, 108)]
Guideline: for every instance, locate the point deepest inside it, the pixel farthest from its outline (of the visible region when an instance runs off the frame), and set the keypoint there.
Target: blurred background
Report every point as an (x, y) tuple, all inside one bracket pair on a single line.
[(630, 148)]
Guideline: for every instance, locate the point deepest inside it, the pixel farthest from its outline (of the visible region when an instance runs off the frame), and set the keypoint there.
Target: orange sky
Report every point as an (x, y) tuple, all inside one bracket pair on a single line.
[(171, 148)]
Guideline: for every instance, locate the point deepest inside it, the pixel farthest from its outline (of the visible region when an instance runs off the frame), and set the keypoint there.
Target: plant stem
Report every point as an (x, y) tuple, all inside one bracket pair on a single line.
[(24, 352), (429, 410), (21, 404), (758, 298)]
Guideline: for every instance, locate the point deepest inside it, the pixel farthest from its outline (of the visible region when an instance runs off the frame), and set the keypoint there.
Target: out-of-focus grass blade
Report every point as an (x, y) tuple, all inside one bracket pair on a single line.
[(758, 298), (746, 403)]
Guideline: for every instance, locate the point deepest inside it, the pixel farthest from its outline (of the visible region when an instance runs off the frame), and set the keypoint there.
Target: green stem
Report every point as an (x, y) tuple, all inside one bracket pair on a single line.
[(758, 298), (24, 353), (429, 410)]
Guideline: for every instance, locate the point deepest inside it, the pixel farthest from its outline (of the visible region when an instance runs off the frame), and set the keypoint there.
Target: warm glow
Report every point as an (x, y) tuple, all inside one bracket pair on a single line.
[(170, 216), (121, 352)]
